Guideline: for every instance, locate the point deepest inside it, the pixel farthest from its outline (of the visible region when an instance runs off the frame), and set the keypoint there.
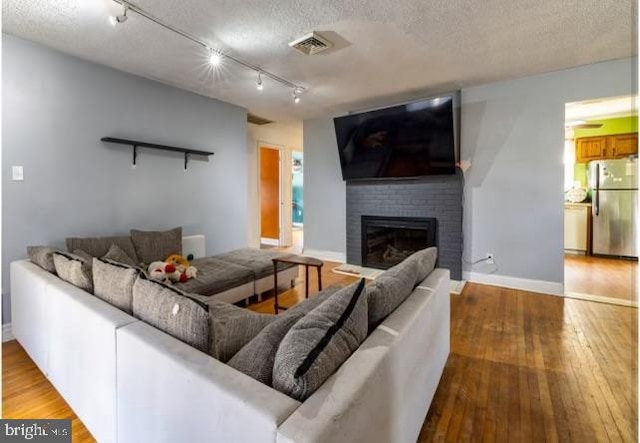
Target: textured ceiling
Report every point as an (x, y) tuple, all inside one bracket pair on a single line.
[(384, 50)]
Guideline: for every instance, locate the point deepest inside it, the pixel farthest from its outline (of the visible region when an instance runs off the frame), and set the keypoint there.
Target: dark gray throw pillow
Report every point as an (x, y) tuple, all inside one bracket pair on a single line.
[(43, 257), (171, 311), (389, 290), (232, 327), (117, 254), (320, 342), (157, 245), (74, 270), (256, 359), (113, 282)]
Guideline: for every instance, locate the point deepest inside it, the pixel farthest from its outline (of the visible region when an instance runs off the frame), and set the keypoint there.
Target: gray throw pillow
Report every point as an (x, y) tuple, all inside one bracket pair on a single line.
[(99, 246), (256, 359), (171, 311), (320, 342), (389, 290), (117, 254), (113, 282), (232, 327), (74, 270), (157, 245), (84, 256), (42, 256), (425, 260)]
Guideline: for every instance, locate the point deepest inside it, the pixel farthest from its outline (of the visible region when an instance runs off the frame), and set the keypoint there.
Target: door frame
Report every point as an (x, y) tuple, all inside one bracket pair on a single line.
[(285, 237)]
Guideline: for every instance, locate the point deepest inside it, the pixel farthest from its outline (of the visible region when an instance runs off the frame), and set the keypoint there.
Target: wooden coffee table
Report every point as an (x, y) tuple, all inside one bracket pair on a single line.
[(301, 261)]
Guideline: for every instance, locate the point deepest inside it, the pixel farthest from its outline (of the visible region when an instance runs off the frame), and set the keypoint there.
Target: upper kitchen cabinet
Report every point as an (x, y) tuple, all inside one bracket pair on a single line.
[(606, 147), (590, 148)]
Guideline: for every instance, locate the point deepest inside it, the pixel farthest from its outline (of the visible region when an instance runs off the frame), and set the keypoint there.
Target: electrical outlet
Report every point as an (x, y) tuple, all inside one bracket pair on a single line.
[(17, 173), (489, 258)]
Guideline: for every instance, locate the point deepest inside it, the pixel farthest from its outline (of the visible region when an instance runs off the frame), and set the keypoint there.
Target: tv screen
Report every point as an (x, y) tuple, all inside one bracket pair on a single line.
[(412, 140)]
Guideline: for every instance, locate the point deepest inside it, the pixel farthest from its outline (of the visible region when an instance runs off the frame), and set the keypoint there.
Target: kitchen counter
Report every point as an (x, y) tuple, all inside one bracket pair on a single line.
[(569, 204)]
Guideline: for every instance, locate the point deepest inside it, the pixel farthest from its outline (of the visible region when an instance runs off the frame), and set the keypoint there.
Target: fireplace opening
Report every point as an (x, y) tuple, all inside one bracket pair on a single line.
[(386, 241)]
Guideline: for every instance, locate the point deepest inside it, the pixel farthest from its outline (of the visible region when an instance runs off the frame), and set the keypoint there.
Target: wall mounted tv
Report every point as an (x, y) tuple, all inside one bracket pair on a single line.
[(413, 140)]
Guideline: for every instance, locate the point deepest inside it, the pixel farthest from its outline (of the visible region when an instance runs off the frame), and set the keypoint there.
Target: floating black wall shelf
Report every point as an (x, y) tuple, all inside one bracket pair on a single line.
[(138, 144)]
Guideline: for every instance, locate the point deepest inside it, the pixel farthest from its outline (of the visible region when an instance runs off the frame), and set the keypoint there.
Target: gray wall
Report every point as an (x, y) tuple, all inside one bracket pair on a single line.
[(55, 110), (324, 191), (513, 131)]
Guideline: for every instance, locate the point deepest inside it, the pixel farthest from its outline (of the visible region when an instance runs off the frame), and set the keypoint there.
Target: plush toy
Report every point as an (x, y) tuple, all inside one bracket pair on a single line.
[(174, 269)]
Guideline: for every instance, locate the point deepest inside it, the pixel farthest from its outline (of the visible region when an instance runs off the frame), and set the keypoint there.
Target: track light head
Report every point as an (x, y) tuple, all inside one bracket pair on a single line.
[(119, 19), (296, 95), (215, 58), (259, 82)]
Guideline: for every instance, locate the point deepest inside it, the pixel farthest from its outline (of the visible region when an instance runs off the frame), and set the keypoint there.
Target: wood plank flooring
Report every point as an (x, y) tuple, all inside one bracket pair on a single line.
[(523, 367), (607, 277)]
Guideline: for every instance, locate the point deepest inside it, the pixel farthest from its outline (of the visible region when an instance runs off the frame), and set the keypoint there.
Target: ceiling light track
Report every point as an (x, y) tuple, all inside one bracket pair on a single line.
[(133, 8)]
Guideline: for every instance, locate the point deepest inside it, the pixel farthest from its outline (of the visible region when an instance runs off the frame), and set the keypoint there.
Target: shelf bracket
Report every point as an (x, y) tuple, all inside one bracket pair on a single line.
[(186, 160), (135, 154)]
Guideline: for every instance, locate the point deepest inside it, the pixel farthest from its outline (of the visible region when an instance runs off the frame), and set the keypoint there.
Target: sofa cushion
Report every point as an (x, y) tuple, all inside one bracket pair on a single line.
[(74, 270), (42, 256), (232, 327), (258, 260), (117, 254), (425, 260), (113, 283), (157, 245), (215, 276), (99, 246), (320, 342), (389, 290), (256, 359), (171, 311)]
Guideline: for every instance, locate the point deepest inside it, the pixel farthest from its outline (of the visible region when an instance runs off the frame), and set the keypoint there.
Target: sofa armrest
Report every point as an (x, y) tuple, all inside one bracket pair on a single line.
[(383, 391), (169, 391)]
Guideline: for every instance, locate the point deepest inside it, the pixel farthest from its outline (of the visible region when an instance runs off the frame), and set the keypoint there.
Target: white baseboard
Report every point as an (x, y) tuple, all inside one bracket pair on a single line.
[(269, 241), (7, 335), (326, 255), (525, 284)]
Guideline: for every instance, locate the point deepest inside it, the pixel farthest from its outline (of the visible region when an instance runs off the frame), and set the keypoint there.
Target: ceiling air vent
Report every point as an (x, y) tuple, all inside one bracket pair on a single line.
[(252, 118), (311, 44)]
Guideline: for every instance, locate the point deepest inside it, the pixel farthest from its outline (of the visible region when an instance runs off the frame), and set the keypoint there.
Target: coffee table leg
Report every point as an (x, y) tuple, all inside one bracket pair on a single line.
[(319, 268), (275, 285), (306, 282)]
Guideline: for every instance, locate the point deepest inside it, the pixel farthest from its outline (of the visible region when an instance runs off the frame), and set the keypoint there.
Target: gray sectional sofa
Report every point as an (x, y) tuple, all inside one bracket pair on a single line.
[(131, 382)]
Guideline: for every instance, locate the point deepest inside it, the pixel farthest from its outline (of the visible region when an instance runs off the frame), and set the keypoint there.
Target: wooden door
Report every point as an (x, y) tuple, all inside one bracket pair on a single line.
[(269, 193), (590, 148), (623, 145)]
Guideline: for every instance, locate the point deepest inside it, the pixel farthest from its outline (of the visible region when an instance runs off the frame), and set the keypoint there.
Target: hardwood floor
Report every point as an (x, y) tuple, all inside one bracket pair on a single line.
[(607, 277), (523, 367)]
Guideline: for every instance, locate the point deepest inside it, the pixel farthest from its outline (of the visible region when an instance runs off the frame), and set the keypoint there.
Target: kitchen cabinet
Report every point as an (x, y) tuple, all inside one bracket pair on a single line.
[(577, 228), (606, 147)]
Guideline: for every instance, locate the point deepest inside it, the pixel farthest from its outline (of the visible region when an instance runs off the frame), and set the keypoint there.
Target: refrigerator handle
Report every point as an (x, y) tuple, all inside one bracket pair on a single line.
[(596, 197)]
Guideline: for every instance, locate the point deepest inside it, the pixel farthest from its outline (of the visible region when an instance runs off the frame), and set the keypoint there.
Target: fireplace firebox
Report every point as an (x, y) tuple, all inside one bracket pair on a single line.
[(386, 241)]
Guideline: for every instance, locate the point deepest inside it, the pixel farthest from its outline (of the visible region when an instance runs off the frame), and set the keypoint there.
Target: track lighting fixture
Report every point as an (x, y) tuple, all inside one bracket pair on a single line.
[(215, 58), (118, 19), (259, 82)]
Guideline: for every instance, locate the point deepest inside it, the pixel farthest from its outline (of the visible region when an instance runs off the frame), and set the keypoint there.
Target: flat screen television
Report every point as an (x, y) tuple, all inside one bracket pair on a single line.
[(413, 140)]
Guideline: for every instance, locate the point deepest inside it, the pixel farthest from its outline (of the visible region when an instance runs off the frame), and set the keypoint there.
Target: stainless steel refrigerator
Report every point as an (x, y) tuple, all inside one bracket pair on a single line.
[(614, 198)]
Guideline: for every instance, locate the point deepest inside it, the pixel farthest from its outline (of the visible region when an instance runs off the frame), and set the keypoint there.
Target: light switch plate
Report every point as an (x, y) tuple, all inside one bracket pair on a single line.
[(17, 173)]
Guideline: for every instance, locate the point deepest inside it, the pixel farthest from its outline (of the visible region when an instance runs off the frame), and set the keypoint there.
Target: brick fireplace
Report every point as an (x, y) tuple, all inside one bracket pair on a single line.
[(433, 203)]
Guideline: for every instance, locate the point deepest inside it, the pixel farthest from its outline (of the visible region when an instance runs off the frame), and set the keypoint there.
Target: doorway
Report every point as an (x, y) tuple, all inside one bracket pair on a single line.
[(601, 194), (269, 197), (297, 201)]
